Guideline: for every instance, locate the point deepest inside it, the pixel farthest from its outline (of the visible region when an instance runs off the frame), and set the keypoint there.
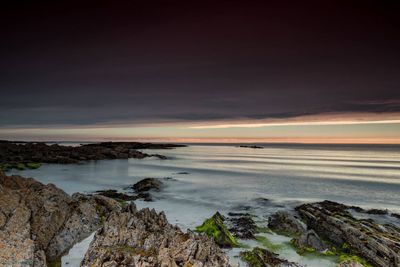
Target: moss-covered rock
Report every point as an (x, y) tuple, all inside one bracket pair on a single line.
[(33, 165), (215, 228), (259, 257)]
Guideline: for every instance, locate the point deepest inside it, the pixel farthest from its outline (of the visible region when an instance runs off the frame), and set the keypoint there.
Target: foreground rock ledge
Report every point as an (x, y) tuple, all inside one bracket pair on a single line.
[(145, 238), (40, 223)]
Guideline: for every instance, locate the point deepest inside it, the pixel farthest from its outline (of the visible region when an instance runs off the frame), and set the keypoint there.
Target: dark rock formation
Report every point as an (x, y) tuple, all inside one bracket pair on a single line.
[(378, 244), (252, 146), (147, 184), (145, 238), (39, 223), (285, 223), (25, 153), (309, 241), (215, 228), (242, 226), (114, 194), (259, 257)]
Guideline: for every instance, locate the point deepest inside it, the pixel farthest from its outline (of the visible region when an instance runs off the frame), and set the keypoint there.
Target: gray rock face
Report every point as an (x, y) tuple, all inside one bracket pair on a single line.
[(260, 257), (147, 184), (379, 244), (283, 222), (310, 239), (39, 223), (145, 238)]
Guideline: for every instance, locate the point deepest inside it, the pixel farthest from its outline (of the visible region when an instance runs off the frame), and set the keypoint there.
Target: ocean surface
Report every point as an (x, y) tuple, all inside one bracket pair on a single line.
[(210, 178)]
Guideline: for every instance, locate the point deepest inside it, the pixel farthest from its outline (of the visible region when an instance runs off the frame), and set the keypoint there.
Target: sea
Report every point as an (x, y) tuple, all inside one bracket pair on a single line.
[(201, 179)]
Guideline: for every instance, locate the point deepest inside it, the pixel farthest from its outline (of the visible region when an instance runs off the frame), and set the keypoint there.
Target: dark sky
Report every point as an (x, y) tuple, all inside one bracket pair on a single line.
[(150, 61)]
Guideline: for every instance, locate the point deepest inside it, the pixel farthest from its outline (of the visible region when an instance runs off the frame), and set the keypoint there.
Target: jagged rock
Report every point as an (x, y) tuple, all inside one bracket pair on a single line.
[(242, 226), (215, 228), (309, 241), (378, 244), (147, 184), (13, 154), (350, 263), (259, 257), (285, 223), (114, 194), (40, 222), (145, 238)]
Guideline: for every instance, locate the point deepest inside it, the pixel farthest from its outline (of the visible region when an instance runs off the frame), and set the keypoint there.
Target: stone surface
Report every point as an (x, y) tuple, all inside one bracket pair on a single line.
[(242, 225), (350, 263), (147, 184), (40, 223), (309, 240), (145, 238), (215, 228), (259, 257), (376, 243), (285, 223), (27, 153)]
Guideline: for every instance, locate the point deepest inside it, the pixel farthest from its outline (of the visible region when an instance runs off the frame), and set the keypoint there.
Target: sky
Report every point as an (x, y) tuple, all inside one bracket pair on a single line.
[(201, 71)]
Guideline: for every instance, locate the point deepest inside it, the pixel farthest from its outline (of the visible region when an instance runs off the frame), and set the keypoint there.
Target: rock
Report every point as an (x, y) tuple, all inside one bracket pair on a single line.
[(285, 223), (242, 226), (24, 155), (114, 194), (147, 184), (183, 173), (259, 257), (41, 222), (252, 146), (215, 228), (308, 242), (145, 238), (377, 244), (350, 263), (377, 211)]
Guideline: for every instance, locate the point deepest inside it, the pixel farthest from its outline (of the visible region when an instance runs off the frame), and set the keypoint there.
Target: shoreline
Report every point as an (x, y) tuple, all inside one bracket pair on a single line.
[(241, 225)]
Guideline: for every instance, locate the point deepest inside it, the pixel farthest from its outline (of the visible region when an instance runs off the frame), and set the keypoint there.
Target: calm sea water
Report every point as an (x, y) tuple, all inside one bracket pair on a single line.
[(208, 178)]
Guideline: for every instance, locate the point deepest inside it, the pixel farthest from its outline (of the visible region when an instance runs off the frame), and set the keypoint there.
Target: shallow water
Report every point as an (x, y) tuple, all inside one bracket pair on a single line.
[(260, 181)]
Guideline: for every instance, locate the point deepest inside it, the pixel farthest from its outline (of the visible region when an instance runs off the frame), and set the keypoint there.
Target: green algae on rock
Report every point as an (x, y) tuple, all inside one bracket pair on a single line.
[(259, 257), (215, 228)]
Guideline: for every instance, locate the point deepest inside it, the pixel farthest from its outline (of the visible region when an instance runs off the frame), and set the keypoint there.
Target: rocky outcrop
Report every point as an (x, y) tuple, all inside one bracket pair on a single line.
[(145, 238), (350, 263), (242, 225), (39, 223), (13, 154), (259, 257), (309, 241), (147, 184), (285, 223), (378, 244), (215, 228)]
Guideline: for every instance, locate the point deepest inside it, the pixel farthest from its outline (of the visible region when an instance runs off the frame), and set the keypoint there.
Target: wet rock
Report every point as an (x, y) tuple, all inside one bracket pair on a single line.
[(242, 226), (145, 238), (41, 222), (308, 242), (147, 184), (395, 215), (378, 244), (215, 228), (114, 194), (252, 146), (377, 211), (24, 155), (350, 263), (285, 223), (259, 257)]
